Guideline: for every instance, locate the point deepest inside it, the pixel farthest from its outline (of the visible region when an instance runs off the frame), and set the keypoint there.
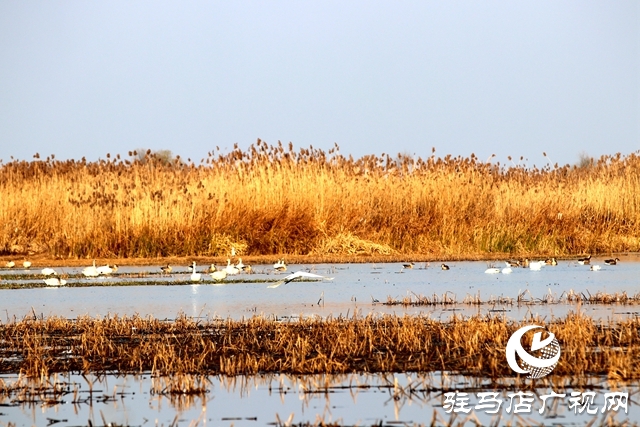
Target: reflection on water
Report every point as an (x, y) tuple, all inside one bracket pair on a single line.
[(354, 399), (354, 288)]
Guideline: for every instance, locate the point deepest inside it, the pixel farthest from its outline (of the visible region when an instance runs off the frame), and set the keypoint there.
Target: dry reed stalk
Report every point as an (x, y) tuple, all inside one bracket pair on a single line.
[(474, 346), (272, 199)]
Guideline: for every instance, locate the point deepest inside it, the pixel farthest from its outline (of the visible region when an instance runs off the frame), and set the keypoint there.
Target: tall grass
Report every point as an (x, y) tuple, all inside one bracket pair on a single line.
[(272, 199)]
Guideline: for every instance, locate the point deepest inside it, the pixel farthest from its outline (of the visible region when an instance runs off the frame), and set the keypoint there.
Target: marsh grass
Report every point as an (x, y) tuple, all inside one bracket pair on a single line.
[(524, 298), (274, 200), (473, 346)]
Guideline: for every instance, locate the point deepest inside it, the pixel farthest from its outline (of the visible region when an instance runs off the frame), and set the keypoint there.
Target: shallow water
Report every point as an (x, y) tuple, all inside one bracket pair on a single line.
[(354, 399), (354, 288)]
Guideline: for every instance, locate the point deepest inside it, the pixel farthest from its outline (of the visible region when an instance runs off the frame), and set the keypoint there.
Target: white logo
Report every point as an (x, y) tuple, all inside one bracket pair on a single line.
[(547, 352)]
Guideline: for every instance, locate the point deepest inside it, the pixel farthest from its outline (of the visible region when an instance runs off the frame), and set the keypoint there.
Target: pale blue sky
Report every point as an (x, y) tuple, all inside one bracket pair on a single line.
[(80, 78)]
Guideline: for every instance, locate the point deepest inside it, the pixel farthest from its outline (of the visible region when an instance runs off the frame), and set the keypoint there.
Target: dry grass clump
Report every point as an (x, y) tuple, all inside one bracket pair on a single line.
[(473, 346), (272, 199)]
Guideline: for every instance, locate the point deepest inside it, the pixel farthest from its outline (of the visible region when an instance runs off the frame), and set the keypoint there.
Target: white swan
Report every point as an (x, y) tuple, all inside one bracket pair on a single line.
[(219, 275), (10, 264), (230, 269), (507, 270), (26, 264), (536, 265), (195, 277), (280, 266), (294, 276), (595, 267), (91, 271), (105, 269), (48, 271), (54, 281), (492, 270)]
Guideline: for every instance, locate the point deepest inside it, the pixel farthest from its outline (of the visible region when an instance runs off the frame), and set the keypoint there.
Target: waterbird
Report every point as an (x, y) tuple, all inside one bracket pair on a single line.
[(105, 269), (166, 269), (408, 265), (240, 265), (492, 270), (584, 261), (26, 264), (230, 269), (91, 271), (507, 270), (280, 266), (536, 265), (195, 277), (294, 276), (525, 263), (551, 261), (595, 267), (218, 275), (54, 281), (48, 271), (611, 261), (10, 264), (512, 263), (444, 266)]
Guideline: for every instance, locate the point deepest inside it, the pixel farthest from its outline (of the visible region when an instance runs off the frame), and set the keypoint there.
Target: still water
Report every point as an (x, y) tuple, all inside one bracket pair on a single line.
[(392, 399), (354, 288), (389, 400)]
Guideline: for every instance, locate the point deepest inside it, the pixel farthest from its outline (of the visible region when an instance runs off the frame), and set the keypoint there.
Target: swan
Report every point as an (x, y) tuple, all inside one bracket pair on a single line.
[(26, 264), (536, 265), (444, 266), (105, 269), (280, 266), (230, 269), (294, 276), (195, 277), (54, 281), (91, 271), (10, 264), (219, 275), (48, 271), (240, 265), (595, 267), (492, 270), (507, 270), (611, 261)]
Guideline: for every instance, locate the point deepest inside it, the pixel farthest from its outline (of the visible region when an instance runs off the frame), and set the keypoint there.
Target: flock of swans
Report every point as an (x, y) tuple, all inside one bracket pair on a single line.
[(217, 274), (220, 274), (537, 265), (531, 265)]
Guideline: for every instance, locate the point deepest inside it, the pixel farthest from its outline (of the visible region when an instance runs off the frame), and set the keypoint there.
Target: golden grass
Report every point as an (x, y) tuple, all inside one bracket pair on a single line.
[(274, 200), (473, 346)]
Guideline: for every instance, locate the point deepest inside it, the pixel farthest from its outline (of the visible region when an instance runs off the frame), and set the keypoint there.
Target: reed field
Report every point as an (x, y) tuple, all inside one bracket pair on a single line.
[(38, 348), (275, 200)]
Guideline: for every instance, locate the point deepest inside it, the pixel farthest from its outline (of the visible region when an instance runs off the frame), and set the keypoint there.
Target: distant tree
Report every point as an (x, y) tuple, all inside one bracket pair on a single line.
[(162, 156), (584, 160)]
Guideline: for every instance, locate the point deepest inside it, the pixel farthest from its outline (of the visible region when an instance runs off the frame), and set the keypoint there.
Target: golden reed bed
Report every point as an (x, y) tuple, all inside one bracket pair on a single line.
[(274, 200), (476, 346)]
